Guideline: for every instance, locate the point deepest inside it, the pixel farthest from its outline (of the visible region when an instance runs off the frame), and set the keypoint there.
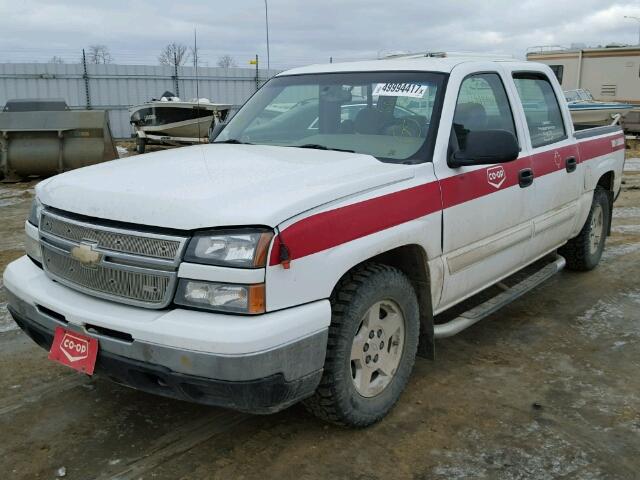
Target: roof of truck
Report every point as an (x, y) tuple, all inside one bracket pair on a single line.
[(419, 63)]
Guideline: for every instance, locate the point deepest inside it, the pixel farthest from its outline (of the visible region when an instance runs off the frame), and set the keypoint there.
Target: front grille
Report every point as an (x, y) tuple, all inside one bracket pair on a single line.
[(149, 288), (126, 266), (110, 240)]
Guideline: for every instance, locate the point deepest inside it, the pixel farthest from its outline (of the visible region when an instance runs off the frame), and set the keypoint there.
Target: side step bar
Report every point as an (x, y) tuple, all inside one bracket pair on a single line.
[(468, 318)]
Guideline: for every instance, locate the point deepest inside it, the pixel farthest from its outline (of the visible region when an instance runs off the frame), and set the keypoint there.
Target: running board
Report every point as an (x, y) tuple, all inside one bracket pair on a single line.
[(509, 294)]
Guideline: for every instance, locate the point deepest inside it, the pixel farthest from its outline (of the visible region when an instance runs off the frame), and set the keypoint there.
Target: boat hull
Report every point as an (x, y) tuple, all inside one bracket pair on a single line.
[(587, 115), (196, 128), (182, 122)]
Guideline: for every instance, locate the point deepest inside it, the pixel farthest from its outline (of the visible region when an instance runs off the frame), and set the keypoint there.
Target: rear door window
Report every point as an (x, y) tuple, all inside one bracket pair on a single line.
[(541, 109)]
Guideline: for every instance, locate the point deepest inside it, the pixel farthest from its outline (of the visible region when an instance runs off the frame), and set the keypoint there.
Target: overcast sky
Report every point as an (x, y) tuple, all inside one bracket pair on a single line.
[(309, 31)]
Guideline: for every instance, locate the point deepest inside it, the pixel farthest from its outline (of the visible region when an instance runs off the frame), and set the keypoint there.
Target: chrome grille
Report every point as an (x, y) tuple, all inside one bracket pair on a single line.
[(110, 240), (121, 265), (149, 288)]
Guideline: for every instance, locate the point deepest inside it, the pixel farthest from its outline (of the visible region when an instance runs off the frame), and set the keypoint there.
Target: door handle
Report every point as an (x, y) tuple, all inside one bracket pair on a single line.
[(571, 164), (525, 177)]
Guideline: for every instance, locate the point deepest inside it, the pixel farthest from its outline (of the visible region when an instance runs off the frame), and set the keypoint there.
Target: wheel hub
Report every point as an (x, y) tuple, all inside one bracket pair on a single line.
[(377, 348), (596, 229)]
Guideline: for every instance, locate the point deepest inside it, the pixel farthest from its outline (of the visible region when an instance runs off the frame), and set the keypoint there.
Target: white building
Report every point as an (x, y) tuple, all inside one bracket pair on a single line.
[(609, 73)]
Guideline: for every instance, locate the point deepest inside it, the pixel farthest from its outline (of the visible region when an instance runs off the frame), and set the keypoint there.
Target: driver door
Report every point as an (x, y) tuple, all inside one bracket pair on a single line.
[(486, 219)]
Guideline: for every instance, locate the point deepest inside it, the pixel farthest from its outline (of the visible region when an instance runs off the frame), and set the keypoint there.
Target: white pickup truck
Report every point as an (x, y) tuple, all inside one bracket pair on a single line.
[(346, 217)]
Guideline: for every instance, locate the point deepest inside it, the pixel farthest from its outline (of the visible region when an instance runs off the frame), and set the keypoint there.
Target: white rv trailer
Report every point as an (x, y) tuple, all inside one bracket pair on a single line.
[(611, 74)]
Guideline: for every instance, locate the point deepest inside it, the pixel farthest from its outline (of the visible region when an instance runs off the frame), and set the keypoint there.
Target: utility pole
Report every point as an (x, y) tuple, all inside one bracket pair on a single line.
[(255, 62), (175, 72), (257, 74), (266, 20), (637, 19), (85, 76)]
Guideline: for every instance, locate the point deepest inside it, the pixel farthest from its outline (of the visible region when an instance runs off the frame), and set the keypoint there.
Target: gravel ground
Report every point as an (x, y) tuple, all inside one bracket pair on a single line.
[(546, 388)]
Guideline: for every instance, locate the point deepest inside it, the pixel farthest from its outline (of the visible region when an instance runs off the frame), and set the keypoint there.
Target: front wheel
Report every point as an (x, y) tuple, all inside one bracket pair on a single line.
[(372, 345), (584, 251)]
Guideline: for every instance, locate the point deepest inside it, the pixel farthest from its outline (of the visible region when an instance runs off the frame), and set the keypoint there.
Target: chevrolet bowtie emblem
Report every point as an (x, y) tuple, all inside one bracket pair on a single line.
[(86, 255)]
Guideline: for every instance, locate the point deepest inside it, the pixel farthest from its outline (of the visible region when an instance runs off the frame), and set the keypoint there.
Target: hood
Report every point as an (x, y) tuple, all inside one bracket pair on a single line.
[(206, 186)]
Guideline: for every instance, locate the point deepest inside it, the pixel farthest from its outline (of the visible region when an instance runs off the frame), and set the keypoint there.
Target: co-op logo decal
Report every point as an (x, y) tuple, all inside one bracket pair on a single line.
[(496, 176), (74, 348)]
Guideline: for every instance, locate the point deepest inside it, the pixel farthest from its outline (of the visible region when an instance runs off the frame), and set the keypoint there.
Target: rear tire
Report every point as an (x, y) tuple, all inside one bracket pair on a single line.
[(583, 252), (373, 338)]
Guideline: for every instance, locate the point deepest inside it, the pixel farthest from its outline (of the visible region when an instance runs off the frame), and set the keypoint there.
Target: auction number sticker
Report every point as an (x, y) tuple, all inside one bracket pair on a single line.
[(413, 90)]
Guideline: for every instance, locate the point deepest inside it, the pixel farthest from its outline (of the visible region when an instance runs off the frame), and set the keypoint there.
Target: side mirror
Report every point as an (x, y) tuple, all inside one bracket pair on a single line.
[(485, 147), (215, 131)]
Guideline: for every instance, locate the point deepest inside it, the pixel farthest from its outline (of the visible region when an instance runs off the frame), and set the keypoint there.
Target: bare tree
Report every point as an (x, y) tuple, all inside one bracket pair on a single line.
[(226, 61), (174, 54), (56, 59), (99, 54)]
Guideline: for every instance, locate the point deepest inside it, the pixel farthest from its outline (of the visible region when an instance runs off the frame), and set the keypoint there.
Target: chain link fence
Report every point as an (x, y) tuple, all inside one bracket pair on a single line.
[(116, 87)]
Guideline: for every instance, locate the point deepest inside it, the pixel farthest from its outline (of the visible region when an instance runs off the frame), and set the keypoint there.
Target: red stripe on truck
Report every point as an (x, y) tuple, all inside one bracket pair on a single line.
[(344, 224), (601, 146), (329, 229)]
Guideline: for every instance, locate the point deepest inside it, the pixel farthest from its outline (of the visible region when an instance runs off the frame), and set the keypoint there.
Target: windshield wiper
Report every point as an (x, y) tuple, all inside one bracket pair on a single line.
[(317, 146), (235, 142)]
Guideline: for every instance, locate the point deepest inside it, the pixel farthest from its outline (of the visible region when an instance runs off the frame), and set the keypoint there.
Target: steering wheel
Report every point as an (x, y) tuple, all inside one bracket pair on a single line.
[(404, 127)]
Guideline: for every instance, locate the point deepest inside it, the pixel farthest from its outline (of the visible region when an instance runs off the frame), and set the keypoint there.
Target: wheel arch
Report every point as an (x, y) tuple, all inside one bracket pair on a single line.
[(412, 260), (607, 182)]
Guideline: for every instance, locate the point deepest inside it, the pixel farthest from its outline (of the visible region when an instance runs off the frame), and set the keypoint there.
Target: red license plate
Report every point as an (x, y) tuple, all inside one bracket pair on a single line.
[(74, 350)]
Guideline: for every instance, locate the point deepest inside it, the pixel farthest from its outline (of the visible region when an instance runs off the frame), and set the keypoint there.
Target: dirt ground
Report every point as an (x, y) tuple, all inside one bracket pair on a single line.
[(546, 388)]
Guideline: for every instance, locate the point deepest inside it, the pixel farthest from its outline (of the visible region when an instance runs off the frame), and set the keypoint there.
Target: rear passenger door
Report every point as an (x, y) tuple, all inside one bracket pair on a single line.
[(553, 150), (486, 219)]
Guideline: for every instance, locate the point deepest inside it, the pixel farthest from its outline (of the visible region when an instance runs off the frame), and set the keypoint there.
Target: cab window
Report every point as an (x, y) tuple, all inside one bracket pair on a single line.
[(541, 109)]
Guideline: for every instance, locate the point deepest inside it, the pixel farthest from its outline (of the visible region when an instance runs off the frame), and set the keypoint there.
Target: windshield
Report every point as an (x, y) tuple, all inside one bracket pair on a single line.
[(389, 115)]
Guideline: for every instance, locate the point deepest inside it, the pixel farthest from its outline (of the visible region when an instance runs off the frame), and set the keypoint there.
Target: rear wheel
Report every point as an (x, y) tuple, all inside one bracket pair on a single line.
[(372, 345), (584, 251)]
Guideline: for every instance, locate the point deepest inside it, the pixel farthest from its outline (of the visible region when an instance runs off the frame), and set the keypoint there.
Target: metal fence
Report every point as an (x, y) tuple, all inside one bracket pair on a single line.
[(115, 88)]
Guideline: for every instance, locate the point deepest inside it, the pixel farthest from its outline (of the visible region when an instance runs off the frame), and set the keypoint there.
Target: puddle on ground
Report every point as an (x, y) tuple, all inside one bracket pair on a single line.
[(633, 229), (12, 195), (556, 456), (632, 165), (6, 321), (614, 251), (626, 212), (610, 316)]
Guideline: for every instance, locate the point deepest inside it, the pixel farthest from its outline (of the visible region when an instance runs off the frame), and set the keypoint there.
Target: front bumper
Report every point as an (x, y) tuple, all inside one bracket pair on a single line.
[(261, 381)]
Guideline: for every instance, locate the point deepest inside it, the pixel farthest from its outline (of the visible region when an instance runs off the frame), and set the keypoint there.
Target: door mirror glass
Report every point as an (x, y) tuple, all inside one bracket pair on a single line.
[(484, 147)]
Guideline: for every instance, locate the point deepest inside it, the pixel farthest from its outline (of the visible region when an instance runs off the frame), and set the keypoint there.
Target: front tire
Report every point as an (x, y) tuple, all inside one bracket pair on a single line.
[(583, 252), (373, 338)]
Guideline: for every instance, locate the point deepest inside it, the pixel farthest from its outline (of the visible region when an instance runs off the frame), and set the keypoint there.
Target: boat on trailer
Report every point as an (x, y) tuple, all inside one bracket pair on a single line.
[(587, 111), (171, 121)]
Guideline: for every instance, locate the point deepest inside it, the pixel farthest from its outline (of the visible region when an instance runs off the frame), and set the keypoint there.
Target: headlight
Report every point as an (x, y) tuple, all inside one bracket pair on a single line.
[(243, 249), (221, 297), (34, 213), (32, 243)]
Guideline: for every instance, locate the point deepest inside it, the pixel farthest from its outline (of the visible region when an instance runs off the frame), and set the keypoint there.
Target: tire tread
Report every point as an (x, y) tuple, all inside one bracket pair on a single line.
[(576, 250), (325, 403)]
